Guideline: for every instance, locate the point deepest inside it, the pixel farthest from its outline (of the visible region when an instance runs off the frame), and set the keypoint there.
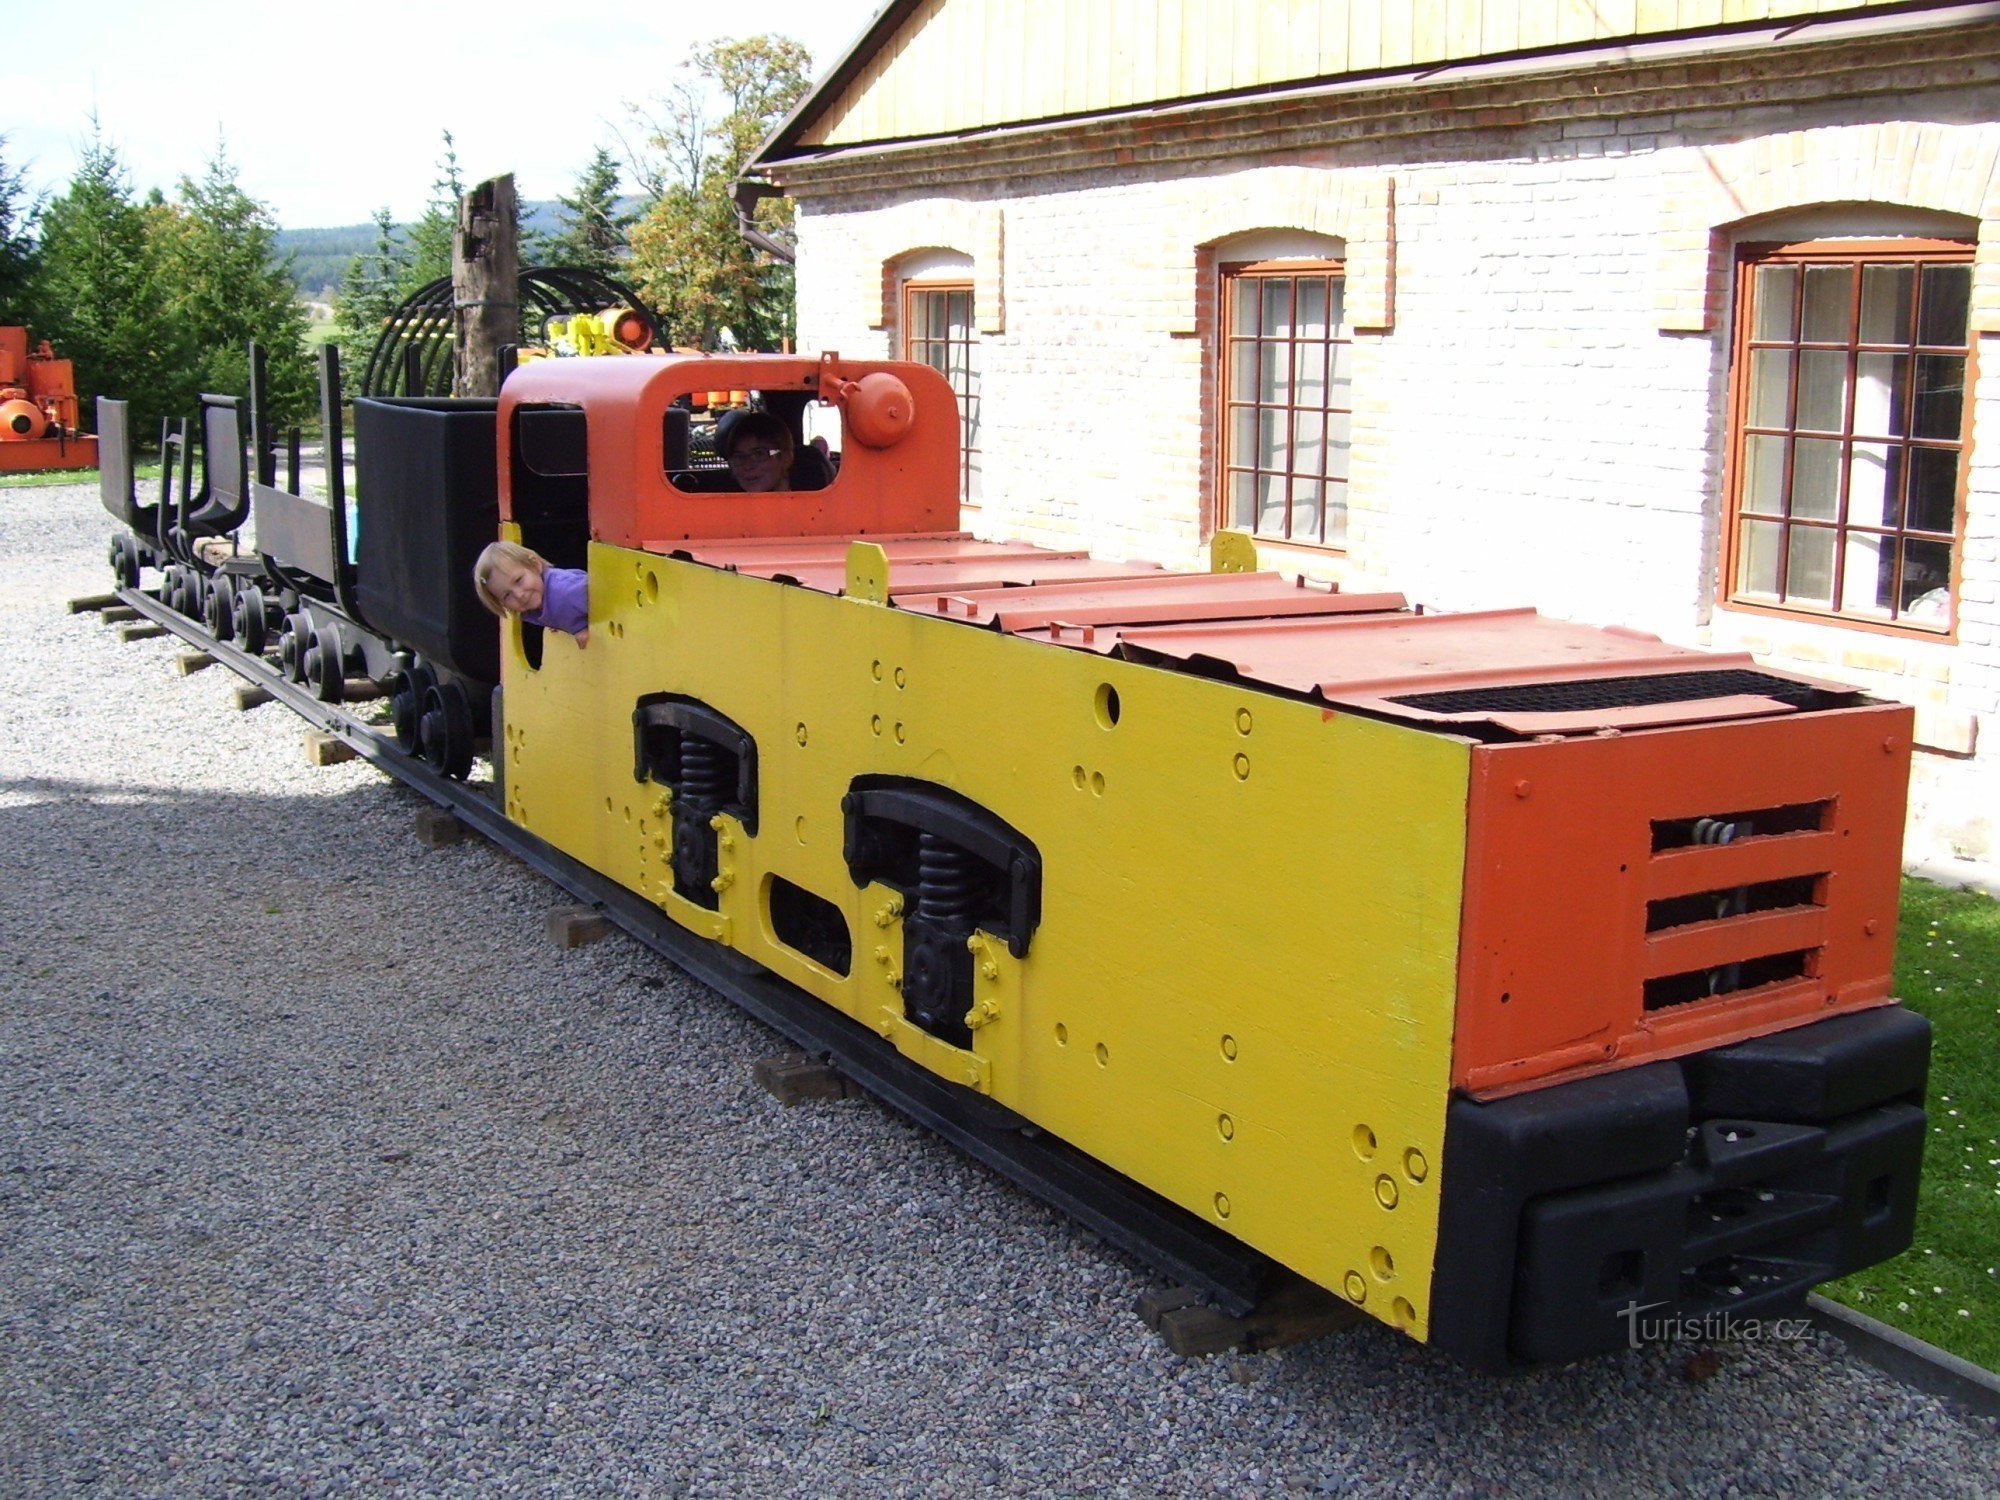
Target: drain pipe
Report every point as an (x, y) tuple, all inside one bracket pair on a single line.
[(746, 193)]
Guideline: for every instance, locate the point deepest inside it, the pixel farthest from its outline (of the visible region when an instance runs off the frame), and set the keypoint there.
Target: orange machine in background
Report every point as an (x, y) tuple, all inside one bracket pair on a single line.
[(38, 409)]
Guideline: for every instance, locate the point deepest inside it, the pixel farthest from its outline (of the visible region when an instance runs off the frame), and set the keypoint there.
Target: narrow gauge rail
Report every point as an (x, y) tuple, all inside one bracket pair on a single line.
[(1498, 975), (1146, 1226)]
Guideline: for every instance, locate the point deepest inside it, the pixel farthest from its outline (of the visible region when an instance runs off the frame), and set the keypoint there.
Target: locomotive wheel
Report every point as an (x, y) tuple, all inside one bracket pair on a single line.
[(325, 669), (294, 645), (247, 624), (447, 730), (170, 587), (219, 607), (407, 706)]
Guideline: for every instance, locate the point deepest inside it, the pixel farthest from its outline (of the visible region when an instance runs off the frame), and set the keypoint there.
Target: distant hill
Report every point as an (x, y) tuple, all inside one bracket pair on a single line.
[(320, 257)]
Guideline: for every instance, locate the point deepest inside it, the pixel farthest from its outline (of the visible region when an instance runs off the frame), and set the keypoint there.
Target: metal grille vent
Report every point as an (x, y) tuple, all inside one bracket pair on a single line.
[(1611, 692)]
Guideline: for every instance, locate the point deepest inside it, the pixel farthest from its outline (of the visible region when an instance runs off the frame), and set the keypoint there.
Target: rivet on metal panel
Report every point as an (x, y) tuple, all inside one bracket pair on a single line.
[(900, 738), (1364, 1142), (799, 733), (1241, 766), (1415, 1165), (1103, 1055), (1097, 783), (1225, 1127), (723, 881), (1522, 788), (985, 1012), (875, 723), (1382, 1263), (1229, 1047), (1889, 744), (1062, 1035), (1869, 927), (902, 678), (889, 911), (1355, 1287), (1385, 1191), (1222, 1205), (1242, 721)]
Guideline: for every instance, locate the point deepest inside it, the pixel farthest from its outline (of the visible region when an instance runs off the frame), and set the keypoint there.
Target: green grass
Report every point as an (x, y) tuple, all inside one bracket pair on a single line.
[(1946, 1288), (43, 478)]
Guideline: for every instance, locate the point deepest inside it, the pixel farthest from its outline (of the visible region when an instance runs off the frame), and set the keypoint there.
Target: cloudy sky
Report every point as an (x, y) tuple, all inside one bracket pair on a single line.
[(332, 112)]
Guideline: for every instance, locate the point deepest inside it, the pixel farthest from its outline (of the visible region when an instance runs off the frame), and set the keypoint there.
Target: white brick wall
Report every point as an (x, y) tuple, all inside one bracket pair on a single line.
[(1539, 422)]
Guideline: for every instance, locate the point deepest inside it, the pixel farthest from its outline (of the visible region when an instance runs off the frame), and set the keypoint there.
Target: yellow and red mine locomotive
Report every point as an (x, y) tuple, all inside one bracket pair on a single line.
[(1497, 974)]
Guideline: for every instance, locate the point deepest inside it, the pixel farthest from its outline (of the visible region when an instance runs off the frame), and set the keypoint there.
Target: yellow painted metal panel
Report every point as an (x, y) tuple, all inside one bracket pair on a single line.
[(1241, 991)]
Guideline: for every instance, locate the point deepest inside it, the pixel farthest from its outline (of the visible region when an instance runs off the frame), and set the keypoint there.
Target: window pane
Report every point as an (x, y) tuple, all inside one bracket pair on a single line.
[(1822, 390), (1336, 514), (1933, 489), (1343, 374), (1306, 496), (1926, 578), (1926, 594), (1339, 442), (1277, 319), (1757, 561), (1242, 500), (1885, 303), (1274, 373), (1940, 404), (961, 314), (1309, 374), (1816, 478), (1871, 484), (1829, 305), (1770, 387), (1243, 436), (1271, 504), (1270, 439), (1243, 307), (1941, 309), (1775, 291), (1312, 307), (1809, 568), (1309, 442), (1868, 564), (1764, 474), (1881, 387), (1242, 370)]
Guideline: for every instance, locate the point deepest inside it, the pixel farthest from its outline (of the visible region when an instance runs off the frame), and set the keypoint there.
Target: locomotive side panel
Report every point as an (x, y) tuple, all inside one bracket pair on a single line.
[(1240, 987)]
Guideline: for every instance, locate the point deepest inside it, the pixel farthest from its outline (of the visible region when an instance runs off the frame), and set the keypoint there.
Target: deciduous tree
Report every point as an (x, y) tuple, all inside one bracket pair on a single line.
[(687, 255)]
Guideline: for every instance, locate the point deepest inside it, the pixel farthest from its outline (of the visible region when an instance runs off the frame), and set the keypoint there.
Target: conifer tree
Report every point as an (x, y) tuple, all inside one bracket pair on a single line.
[(593, 228), (102, 291), (226, 287), (18, 213), (368, 293)]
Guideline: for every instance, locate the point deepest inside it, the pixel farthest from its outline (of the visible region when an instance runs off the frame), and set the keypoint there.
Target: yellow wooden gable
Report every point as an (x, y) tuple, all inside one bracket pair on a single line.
[(936, 67)]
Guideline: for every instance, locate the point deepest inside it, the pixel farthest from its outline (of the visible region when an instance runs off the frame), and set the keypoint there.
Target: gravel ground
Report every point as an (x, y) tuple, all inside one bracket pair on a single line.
[(323, 1173)]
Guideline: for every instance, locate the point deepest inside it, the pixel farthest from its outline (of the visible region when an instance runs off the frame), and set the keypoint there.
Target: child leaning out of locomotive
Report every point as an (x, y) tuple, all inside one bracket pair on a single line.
[(512, 579)]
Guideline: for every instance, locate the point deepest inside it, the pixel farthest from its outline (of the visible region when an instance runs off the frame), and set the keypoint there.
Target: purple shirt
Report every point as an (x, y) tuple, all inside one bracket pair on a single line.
[(565, 601)]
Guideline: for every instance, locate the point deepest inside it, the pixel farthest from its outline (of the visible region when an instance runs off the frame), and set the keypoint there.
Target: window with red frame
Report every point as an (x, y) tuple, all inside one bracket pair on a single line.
[(1849, 429), (938, 331), (1287, 387)]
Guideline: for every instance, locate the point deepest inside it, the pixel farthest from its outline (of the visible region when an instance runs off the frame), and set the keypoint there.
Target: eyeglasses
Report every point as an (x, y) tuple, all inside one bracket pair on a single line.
[(757, 455)]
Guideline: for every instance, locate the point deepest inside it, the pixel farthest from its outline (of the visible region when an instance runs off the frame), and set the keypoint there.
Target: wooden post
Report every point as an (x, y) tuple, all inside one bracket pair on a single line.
[(485, 271)]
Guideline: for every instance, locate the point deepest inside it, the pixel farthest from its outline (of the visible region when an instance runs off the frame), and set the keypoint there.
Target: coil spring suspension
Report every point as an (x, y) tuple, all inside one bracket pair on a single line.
[(948, 886), (707, 773)]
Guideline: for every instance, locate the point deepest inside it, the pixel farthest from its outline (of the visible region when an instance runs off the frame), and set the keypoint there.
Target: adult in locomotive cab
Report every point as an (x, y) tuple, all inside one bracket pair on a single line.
[(764, 458), (512, 579)]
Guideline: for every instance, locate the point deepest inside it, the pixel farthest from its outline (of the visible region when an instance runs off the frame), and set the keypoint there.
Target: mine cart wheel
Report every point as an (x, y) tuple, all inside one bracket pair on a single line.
[(125, 561), (187, 598), (325, 669), (247, 624), (406, 707), (447, 730), (170, 587), (294, 644), (219, 607)]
